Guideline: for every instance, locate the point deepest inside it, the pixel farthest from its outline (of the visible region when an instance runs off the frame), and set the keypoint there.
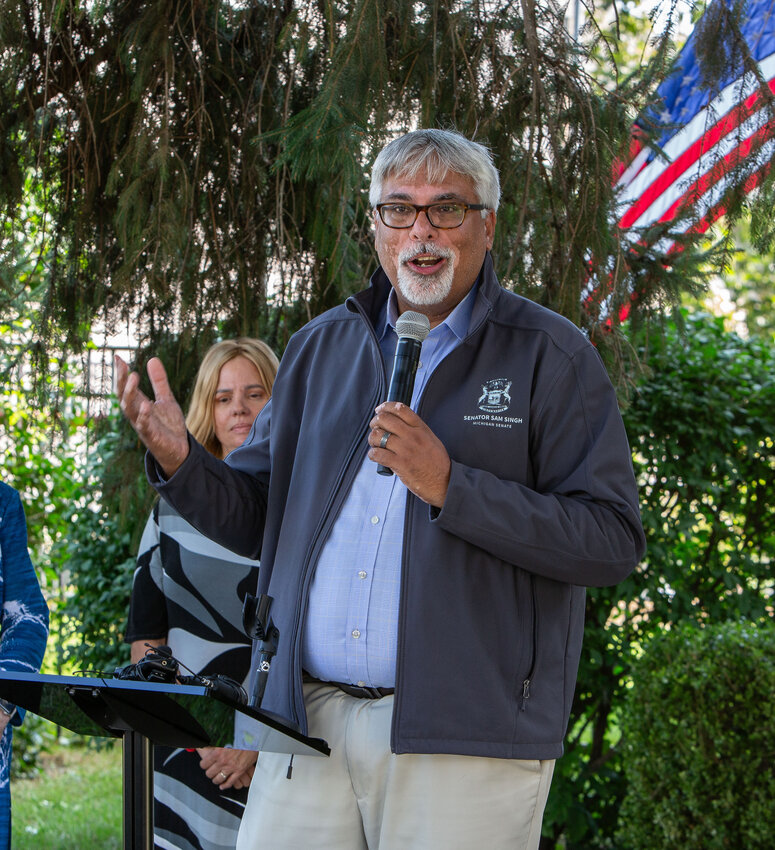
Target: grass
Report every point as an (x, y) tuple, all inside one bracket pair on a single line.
[(74, 803)]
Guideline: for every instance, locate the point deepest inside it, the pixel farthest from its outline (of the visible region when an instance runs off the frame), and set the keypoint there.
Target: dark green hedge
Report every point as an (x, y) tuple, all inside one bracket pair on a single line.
[(699, 737)]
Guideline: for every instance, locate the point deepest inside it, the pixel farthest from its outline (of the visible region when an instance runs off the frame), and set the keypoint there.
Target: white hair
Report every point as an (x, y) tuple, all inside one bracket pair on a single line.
[(437, 152)]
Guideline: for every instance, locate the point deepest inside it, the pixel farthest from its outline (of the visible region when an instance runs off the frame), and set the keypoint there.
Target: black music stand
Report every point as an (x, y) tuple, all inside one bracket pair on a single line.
[(144, 714)]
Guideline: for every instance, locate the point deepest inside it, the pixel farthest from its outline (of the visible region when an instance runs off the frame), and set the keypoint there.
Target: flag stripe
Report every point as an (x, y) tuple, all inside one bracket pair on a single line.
[(705, 143), (748, 117), (712, 163), (717, 172), (715, 195)]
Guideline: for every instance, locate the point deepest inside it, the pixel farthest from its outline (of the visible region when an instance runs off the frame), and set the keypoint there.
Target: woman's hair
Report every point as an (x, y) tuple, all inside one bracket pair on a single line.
[(200, 420), (437, 152)]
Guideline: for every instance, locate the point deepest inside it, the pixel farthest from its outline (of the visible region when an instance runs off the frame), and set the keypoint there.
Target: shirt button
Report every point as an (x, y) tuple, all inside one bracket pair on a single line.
[(356, 633), (374, 520), (362, 574)]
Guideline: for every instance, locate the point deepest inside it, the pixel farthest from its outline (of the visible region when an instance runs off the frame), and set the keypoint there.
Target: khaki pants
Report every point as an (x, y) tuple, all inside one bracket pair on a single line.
[(363, 796)]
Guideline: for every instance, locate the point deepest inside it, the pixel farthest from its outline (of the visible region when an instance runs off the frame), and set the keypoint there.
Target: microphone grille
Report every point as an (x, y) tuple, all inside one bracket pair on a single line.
[(414, 325)]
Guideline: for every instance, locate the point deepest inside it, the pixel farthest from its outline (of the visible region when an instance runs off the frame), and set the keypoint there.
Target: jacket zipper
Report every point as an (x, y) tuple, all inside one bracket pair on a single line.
[(401, 624), (534, 640), (404, 567), (405, 552), (324, 525)]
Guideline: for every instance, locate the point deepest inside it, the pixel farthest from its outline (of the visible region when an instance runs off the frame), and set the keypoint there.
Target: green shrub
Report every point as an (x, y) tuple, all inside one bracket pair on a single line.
[(701, 425), (699, 738), (107, 521), (107, 517)]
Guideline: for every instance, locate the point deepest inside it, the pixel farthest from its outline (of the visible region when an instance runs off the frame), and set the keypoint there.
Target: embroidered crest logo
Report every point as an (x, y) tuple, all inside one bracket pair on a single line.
[(495, 395)]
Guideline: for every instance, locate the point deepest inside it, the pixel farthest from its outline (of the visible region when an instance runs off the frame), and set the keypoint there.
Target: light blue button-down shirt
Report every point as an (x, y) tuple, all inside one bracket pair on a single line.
[(352, 621)]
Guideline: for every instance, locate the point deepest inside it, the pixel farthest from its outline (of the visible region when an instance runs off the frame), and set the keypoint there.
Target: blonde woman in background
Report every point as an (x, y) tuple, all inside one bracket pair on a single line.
[(188, 593)]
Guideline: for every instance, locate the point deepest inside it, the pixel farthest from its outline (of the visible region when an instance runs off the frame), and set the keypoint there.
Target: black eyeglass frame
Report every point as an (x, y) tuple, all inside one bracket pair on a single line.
[(418, 208)]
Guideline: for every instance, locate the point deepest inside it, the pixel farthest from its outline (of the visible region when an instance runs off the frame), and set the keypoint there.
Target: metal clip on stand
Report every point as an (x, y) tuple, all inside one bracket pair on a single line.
[(259, 626)]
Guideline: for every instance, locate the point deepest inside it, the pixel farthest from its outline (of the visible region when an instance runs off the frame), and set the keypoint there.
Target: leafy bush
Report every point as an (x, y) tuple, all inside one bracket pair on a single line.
[(699, 740), (38, 443), (106, 520), (701, 428), (701, 425)]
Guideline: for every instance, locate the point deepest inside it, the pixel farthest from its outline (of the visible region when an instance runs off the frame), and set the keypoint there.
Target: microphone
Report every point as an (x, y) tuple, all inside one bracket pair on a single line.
[(412, 328), (219, 684)]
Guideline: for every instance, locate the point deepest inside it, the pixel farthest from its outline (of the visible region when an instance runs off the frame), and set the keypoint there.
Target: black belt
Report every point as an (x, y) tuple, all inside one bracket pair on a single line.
[(359, 691)]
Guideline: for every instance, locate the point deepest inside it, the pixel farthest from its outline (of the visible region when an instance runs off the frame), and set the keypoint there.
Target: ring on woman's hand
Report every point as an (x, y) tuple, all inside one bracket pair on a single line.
[(383, 441), (224, 775)]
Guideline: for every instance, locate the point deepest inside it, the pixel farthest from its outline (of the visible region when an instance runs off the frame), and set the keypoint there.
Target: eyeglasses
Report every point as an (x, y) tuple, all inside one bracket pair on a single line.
[(444, 216)]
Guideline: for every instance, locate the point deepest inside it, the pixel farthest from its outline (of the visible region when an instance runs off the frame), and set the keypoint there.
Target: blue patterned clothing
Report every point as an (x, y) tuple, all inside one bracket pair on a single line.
[(23, 627)]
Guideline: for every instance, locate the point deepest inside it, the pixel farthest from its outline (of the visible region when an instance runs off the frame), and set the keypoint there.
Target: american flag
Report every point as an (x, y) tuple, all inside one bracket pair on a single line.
[(711, 140)]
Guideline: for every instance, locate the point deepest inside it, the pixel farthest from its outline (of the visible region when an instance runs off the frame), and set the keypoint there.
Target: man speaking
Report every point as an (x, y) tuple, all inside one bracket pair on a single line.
[(430, 621)]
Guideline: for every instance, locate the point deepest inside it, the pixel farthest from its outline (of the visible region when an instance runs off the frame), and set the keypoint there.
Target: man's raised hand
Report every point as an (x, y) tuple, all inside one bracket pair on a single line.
[(159, 424)]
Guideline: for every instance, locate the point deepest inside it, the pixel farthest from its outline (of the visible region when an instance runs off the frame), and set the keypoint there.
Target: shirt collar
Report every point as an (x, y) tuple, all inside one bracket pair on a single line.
[(458, 321)]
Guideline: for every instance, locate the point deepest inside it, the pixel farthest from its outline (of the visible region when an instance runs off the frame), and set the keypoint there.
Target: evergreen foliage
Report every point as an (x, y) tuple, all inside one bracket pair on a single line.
[(699, 737), (202, 165)]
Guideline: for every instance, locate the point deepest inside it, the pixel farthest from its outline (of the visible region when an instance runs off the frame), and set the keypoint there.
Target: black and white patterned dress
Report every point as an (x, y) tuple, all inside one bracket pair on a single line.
[(189, 590)]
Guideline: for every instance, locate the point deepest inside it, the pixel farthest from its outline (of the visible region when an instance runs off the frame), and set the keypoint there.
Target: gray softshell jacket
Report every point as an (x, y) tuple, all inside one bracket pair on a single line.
[(541, 503)]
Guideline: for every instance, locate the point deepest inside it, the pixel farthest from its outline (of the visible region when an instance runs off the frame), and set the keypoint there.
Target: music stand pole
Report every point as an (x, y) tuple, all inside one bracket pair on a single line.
[(137, 764)]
